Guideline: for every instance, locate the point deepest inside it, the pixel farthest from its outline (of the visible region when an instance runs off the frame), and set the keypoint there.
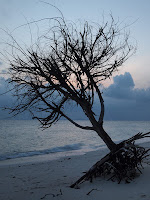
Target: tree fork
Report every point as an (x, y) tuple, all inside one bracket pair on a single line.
[(98, 126)]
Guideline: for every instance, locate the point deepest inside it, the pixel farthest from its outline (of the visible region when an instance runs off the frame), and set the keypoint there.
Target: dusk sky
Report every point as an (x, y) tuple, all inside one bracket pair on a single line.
[(135, 13)]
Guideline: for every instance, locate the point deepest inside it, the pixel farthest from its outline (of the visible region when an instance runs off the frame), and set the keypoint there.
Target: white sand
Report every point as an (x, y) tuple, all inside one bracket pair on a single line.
[(51, 180)]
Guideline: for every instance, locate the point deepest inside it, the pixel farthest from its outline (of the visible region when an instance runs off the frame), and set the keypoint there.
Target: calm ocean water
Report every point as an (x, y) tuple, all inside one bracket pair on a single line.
[(25, 138)]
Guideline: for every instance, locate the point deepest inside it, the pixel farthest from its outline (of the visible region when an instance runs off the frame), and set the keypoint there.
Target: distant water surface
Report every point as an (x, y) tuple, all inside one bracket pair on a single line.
[(25, 138)]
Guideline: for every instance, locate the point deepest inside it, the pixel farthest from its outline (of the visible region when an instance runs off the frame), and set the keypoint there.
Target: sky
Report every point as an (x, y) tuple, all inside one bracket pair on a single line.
[(133, 77)]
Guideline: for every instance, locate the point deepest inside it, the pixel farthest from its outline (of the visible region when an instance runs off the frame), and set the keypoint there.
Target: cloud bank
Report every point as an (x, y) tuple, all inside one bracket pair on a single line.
[(122, 101), (6, 100)]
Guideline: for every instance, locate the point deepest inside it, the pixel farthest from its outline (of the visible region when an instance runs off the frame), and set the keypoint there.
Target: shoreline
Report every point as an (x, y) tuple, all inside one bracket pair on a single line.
[(38, 159), (48, 157), (51, 180), (58, 155)]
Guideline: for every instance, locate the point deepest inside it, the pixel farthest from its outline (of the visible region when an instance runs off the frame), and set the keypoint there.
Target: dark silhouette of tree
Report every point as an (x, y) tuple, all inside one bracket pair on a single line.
[(70, 68)]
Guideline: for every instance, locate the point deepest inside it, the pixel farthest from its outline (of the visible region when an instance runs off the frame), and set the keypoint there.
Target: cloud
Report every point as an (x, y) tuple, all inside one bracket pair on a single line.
[(122, 101), (121, 88), (3, 85), (5, 98), (124, 81)]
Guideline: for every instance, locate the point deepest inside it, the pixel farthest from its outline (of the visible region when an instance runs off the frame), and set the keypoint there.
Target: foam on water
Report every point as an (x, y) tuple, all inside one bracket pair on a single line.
[(42, 152)]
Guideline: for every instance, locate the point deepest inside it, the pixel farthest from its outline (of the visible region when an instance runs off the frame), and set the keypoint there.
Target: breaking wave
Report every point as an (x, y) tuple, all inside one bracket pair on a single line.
[(65, 148)]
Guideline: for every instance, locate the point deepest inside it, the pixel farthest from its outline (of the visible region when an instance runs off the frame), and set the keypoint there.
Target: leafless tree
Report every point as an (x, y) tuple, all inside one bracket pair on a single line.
[(69, 68)]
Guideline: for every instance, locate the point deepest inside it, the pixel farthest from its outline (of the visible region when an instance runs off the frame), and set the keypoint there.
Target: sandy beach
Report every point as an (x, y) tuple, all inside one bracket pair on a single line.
[(51, 180)]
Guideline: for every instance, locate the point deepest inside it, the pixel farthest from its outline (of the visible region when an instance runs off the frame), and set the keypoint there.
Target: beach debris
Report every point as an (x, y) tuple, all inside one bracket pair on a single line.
[(90, 191), (47, 195), (125, 163), (54, 195)]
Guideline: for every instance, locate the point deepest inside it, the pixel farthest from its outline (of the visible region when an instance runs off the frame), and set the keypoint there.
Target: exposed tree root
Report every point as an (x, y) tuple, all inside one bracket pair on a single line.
[(124, 163)]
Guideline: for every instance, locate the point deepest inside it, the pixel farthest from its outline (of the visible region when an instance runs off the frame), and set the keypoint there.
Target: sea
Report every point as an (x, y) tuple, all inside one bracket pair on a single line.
[(25, 140)]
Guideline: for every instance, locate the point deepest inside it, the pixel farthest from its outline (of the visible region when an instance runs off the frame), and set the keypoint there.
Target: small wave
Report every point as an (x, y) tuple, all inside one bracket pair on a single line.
[(72, 147)]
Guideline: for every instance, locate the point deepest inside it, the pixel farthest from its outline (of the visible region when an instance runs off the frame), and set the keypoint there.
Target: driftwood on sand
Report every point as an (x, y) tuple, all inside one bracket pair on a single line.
[(122, 164)]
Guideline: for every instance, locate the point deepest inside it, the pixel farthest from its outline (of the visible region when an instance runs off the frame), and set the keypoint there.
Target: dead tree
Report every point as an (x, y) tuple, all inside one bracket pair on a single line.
[(70, 68)]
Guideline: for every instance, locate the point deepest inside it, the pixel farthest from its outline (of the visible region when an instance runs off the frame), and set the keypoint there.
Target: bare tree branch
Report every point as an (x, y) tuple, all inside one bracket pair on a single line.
[(69, 68)]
